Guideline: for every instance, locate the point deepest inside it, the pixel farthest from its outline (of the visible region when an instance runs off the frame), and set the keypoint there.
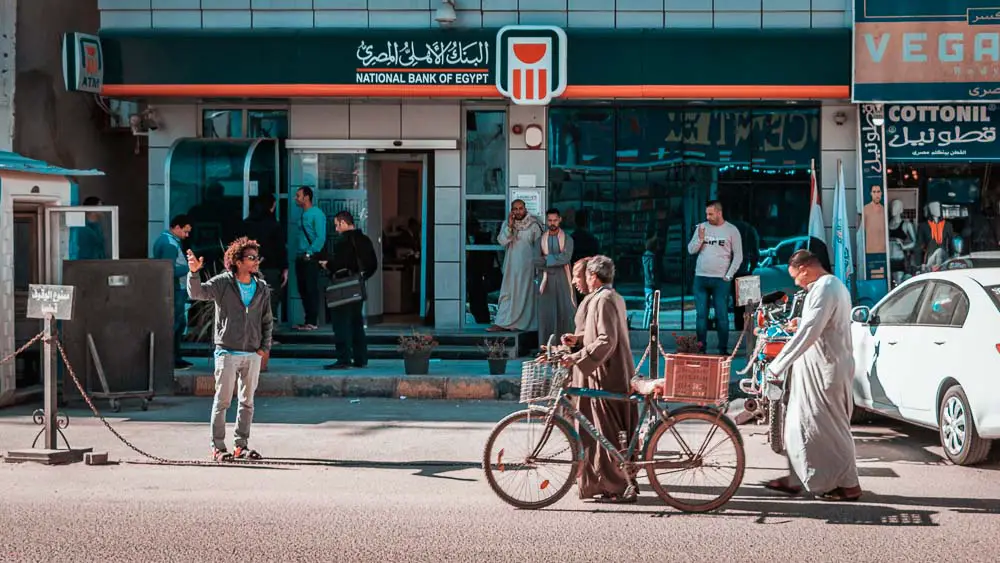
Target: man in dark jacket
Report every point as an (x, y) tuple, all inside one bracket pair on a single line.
[(263, 227), (353, 254), (243, 327)]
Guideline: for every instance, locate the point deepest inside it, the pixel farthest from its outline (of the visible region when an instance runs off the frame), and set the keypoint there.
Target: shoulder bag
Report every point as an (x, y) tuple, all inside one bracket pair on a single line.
[(349, 288)]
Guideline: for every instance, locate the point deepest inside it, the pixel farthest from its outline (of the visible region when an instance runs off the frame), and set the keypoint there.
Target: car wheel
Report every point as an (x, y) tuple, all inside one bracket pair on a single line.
[(959, 437)]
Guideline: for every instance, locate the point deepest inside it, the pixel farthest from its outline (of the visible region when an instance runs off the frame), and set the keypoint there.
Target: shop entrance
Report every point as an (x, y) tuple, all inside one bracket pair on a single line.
[(386, 192)]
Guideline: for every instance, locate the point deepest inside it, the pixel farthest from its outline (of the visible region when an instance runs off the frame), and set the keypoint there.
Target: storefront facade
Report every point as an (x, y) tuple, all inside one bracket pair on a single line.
[(927, 76), (412, 131)]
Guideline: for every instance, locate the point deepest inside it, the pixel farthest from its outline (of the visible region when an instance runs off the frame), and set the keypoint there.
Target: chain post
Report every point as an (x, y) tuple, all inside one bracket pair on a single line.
[(51, 396)]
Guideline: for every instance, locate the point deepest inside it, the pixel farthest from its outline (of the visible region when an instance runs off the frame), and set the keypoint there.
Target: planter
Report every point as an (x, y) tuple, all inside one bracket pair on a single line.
[(417, 364), (498, 366)]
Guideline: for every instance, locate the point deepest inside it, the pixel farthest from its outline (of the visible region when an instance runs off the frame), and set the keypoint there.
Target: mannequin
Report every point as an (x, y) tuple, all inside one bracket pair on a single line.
[(935, 237), (902, 241)]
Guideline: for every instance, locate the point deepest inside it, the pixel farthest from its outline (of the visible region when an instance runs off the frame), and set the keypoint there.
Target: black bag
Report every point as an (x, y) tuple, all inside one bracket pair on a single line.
[(349, 288)]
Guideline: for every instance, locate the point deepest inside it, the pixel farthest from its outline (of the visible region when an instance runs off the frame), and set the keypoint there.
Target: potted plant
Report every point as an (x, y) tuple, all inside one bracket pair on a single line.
[(687, 344), (416, 349), (496, 355)]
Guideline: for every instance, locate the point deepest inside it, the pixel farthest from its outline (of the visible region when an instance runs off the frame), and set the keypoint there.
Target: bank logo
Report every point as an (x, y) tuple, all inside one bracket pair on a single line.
[(91, 56), (531, 68), (83, 63)]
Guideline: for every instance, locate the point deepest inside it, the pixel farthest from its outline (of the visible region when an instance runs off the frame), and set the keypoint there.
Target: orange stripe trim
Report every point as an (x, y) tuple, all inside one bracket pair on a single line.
[(439, 91), (449, 70)]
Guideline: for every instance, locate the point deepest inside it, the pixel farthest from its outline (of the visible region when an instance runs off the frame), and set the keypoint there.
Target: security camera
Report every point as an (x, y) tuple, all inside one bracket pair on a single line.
[(445, 13), (840, 118)]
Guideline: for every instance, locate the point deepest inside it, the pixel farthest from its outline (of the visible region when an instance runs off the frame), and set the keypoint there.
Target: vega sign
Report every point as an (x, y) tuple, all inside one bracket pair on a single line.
[(926, 50)]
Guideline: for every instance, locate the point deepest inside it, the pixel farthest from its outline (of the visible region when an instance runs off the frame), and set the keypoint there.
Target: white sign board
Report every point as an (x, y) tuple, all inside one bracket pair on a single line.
[(532, 198), (54, 301), (747, 290)]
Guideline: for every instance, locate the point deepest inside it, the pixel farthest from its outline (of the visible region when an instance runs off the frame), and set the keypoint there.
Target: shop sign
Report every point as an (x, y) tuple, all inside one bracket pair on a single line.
[(874, 215), (532, 63), (926, 50), (441, 63), (942, 132), (83, 63)]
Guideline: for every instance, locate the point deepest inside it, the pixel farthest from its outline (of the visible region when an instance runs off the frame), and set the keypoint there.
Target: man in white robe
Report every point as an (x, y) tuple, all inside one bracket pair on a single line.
[(818, 440), (556, 300), (516, 309)]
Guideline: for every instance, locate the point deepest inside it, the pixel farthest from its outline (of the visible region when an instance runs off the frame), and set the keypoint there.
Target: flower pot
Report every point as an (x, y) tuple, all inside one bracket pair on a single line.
[(498, 366), (417, 364)]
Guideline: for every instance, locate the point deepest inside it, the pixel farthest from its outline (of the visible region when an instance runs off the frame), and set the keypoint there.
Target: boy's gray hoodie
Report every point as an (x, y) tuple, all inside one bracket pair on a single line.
[(238, 328)]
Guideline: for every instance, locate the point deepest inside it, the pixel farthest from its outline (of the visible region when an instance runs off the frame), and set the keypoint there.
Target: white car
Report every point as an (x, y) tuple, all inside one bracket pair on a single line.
[(928, 353)]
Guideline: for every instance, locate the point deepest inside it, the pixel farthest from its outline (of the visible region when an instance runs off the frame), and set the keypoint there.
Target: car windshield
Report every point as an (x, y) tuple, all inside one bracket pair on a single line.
[(994, 293)]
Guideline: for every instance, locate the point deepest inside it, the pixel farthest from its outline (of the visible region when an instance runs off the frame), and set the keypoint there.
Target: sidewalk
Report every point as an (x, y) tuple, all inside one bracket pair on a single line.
[(448, 379)]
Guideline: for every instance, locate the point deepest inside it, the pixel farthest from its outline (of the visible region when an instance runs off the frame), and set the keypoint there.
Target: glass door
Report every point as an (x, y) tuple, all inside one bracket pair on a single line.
[(78, 233)]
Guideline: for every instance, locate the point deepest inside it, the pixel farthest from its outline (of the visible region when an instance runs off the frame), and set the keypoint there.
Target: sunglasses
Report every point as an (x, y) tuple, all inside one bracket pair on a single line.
[(253, 258)]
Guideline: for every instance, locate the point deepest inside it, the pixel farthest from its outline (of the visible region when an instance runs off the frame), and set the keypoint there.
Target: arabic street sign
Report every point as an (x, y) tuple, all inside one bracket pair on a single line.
[(942, 132), (874, 215), (926, 50), (453, 62), (50, 300)]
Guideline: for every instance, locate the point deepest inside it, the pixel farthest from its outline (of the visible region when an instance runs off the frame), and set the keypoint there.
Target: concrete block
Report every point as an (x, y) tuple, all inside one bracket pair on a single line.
[(318, 386), (204, 386), (95, 458), (422, 387), (471, 388), (275, 386), (370, 387)]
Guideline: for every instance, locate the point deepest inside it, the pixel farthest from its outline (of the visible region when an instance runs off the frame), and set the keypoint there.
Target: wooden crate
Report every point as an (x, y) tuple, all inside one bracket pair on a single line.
[(697, 379)]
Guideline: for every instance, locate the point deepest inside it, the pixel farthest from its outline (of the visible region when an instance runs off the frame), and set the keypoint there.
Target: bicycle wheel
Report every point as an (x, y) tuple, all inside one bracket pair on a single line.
[(776, 426), (538, 483), (712, 448)]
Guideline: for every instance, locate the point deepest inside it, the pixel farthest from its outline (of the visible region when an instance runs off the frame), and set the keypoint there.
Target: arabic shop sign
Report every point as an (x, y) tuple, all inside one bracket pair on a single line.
[(874, 215), (452, 62), (926, 50), (942, 132)]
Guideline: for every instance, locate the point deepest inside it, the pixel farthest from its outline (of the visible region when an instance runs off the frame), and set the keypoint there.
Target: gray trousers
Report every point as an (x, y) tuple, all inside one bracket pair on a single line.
[(230, 370)]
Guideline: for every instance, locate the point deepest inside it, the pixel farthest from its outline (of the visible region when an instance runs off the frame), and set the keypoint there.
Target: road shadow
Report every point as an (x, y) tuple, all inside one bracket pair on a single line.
[(289, 410), (429, 468), (895, 442)]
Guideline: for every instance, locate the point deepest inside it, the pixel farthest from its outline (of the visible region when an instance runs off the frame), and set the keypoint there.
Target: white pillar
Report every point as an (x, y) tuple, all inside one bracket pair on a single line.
[(8, 24)]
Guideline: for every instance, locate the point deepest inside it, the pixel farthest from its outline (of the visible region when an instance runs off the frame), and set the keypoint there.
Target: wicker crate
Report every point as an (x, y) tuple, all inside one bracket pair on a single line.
[(697, 379)]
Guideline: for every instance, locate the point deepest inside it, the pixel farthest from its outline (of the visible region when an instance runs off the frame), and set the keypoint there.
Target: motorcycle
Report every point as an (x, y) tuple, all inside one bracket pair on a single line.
[(767, 395)]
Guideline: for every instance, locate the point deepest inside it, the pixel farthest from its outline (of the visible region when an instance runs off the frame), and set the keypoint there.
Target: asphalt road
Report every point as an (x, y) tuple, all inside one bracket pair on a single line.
[(400, 481)]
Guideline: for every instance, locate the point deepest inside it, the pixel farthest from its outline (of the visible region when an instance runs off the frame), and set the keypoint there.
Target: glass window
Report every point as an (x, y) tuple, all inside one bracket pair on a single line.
[(267, 124), (994, 292), (486, 152), (944, 304), (222, 123), (643, 175), (901, 308)]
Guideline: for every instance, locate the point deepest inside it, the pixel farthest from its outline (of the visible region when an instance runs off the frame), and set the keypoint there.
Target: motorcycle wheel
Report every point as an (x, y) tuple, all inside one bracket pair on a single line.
[(776, 426)]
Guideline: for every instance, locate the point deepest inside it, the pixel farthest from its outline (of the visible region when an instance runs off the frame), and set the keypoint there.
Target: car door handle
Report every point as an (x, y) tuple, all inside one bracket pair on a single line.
[(939, 342), (893, 342)]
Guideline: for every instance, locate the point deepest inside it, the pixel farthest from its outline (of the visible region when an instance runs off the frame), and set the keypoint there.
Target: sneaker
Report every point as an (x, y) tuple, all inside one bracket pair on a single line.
[(244, 452), (221, 455)]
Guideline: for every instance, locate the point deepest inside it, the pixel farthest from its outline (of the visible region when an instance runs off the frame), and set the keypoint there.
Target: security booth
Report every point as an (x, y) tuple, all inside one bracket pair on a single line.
[(41, 226)]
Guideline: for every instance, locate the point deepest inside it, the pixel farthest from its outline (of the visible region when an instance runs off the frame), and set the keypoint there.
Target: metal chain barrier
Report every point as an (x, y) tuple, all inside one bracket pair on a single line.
[(21, 350)]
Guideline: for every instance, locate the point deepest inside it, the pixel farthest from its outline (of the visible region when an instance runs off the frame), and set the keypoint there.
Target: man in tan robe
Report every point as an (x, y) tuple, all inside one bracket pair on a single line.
[(603, 361)]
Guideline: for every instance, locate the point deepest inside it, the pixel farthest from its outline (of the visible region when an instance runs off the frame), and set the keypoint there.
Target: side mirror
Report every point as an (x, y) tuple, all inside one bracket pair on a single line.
[(861, 314)]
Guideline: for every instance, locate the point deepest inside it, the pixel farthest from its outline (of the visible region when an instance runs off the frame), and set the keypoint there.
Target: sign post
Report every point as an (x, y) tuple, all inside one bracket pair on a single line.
[(49, 303)]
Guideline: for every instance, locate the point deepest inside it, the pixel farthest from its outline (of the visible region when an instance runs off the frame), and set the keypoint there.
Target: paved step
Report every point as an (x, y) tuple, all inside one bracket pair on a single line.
[(325, 351)]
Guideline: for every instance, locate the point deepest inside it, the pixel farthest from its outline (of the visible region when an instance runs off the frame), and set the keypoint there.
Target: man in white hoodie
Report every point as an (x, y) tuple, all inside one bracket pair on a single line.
[(720, 253)]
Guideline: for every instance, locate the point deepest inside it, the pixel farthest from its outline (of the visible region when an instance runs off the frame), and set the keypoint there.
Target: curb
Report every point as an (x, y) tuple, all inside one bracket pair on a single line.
[(487, 388), (503, 388)]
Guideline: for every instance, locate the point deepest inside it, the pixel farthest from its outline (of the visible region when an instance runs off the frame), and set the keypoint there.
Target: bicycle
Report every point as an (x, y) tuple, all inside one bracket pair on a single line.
[(546, 380)]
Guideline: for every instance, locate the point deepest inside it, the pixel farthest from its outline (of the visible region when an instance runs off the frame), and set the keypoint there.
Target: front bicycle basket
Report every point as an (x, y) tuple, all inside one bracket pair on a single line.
[(541, 380)]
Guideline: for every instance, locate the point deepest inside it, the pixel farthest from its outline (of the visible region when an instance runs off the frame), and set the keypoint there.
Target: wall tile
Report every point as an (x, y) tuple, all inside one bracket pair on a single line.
[(469, 18), (787, 5), (221, 19), (225, 4), (526, 115), (341, 18), (157, 159), (282, 5), (543, 6), (176, 121), (154, 230), (447, 168), (839, 137), (447, 280), (447, 207), (796, 20), (431, 121), (638, 19), (126, 19), (177, 19), (832, 5), (498, 5), (123, 4), (688, 5), (737, 5), (830, 19), (340, 4), (640, 5), (592, 5), (604, 19), (737, 19), (397, 5), (400, 19), (375, 121), (447, 243), (447, 314), (499, 19), (528, 162), (327, 121), (279, 19), (176, 4), (157, 202), (689, 20), (543, 18)]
